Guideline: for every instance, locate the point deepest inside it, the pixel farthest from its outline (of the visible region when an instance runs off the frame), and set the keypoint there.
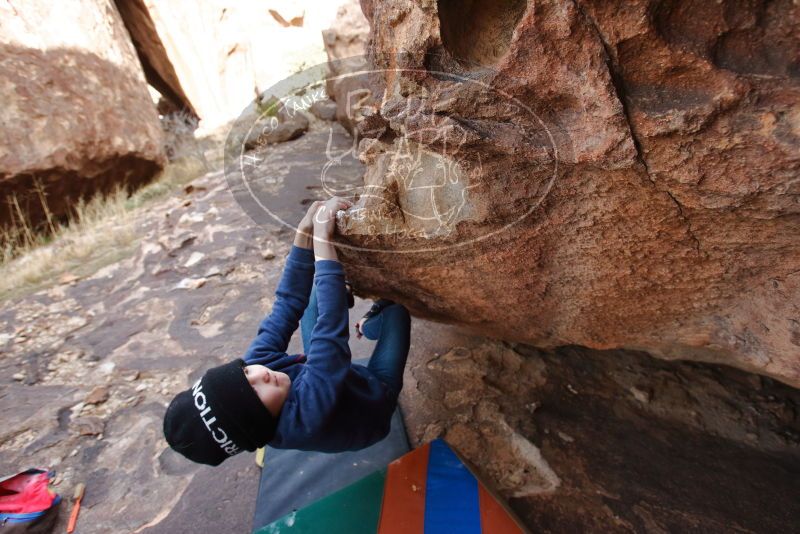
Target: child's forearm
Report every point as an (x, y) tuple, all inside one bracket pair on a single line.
[(291, 300), (328, 350), (323, 248), (303, 239)]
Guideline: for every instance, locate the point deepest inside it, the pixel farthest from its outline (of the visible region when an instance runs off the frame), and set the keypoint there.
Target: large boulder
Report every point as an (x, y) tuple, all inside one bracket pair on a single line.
[(214, 57), (76, 117), (601, 173)]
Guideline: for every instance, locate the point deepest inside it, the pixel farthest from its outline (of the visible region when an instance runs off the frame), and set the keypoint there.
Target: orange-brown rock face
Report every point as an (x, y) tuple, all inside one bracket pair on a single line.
[(609, 174), (76, 115)]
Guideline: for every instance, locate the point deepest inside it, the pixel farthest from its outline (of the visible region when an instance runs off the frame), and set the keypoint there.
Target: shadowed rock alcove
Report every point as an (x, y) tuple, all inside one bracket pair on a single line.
[(479, 31)]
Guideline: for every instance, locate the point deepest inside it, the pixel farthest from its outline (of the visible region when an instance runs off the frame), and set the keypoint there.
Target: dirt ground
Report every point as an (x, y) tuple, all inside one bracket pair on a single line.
[(577, 440)]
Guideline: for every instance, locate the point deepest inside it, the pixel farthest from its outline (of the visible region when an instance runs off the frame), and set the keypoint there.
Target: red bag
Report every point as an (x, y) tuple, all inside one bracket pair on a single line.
[(27, 501)]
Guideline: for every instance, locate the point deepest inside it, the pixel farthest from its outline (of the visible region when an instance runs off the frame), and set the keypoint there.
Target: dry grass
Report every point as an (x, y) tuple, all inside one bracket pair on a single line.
[(99, 232)]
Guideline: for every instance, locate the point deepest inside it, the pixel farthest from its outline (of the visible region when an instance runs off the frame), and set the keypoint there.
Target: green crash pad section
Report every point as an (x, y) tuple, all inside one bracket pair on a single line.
[(355, 509)]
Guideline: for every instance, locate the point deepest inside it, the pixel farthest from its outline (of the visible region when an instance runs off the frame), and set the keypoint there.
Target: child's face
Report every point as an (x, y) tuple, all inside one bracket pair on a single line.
[(272, 387)]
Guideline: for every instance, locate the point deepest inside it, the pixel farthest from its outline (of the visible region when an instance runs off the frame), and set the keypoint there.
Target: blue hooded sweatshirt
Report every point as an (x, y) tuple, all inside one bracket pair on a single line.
[(333, 405)]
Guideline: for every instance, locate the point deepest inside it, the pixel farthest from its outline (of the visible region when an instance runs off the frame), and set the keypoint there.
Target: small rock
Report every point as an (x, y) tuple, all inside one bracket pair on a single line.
[(106, 368), (194, 259), (191, 283), (98, 395), (565, 437), (132, 377), (639, 395), (173, 245), (141, 387), (213, 271), (89, 425), (324, 110), (268, 130), (268, 254), (132, 400), (68, 278), (19, 377), (193, 218), (5, 338), (186, 203)]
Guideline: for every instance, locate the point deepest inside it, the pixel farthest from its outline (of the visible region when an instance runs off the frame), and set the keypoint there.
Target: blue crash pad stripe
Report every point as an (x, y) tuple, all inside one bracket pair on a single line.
[(451, 494)]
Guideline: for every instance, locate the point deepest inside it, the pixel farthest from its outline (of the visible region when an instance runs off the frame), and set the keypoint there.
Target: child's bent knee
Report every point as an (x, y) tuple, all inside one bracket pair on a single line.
[(398, 313)]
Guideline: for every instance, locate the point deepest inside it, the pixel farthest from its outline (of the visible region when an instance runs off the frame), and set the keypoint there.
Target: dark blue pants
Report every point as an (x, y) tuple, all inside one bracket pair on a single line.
[(391, 327)]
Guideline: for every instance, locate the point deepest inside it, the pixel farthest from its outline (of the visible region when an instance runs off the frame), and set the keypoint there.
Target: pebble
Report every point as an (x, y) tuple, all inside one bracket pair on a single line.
[(19, 377), (213, 271), (639, 395), (68, 278), (268, 254), (565, 437), (98, 395), (134, 399), (193, 218), (141, 387), (191, 283), (194, 259)]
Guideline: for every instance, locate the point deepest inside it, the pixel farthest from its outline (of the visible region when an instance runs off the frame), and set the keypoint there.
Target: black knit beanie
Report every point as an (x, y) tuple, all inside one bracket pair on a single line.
[(218, 417)]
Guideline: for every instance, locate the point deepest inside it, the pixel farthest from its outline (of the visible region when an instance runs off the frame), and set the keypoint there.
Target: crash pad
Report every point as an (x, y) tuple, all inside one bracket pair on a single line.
[(293, 479), (429, 490)]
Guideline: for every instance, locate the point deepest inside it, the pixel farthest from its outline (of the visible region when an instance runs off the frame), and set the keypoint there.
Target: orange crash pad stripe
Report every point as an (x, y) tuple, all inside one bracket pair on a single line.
[(494, 518), (403, 510)]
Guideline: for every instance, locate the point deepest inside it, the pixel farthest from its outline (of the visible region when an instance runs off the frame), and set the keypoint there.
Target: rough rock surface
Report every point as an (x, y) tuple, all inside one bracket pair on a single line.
[(609, 441), (609, 174), (76, 115)]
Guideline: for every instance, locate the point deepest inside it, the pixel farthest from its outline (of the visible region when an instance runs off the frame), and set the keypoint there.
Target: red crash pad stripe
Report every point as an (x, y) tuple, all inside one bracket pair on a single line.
[(494, 518), (403, 510)]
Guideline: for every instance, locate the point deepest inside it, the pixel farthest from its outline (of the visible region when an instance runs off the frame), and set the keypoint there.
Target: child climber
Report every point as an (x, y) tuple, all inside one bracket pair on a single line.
[(316, 401)]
